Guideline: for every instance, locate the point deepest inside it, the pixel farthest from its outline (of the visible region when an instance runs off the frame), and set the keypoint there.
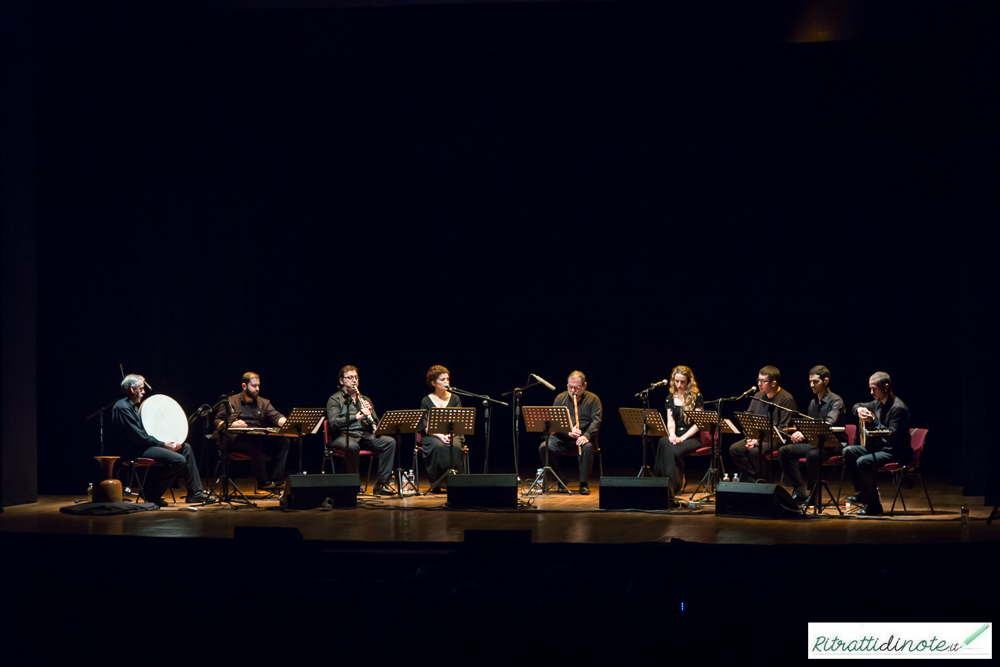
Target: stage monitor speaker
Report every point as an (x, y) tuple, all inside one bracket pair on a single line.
[(755, 501), (634, 493), (469, 491), (305, 492)]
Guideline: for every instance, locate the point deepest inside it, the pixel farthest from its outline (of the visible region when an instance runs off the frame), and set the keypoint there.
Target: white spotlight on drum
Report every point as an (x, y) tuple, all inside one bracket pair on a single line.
[(163, 418)]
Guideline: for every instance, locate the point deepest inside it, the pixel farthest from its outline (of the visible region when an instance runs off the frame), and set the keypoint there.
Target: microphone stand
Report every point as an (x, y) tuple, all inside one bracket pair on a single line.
[(717, 440), (226, 496), (489, 416), (100, 414), (516, 393)]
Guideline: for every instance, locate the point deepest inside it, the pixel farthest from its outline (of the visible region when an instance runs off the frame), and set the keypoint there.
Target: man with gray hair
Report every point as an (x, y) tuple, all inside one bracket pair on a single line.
[(175, 458), (585, 413)]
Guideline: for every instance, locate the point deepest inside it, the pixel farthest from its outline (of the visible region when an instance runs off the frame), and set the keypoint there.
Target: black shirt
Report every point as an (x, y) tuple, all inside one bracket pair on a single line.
[(681, 424), (893, 416), (342, 410), (591, 411), (781, 418), (131, 437), (831, 410)]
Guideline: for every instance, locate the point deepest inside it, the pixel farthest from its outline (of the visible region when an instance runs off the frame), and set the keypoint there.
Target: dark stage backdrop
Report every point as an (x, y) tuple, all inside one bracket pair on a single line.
[(213, 201)]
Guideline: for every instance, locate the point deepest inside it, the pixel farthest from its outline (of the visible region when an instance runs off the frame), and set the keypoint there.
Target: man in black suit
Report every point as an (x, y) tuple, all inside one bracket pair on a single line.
[(886, 413), (248, 409)]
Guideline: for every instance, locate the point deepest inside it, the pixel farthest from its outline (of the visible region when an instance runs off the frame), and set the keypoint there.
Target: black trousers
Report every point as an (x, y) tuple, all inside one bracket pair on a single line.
[(259, 445), (437, 456), (382, 446), (670, 460), (789, 456), (172, 465), (750, 462), (862, 466), (563, 445)]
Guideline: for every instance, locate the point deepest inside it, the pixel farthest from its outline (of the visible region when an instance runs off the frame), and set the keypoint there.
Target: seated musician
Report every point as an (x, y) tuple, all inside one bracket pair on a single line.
[(353, 420), (440, 452), (682, 436), (748, 454), (248, 409), (886, 413), (825, 406), (585, 413), (175, 458)]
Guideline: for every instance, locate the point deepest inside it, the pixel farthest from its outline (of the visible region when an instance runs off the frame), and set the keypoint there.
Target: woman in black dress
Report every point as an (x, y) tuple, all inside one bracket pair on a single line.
[(440, 454), (682, 436)]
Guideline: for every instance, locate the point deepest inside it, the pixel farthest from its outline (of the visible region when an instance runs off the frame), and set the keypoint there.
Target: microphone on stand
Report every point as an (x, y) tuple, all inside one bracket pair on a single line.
[(659, 384), (748, 392), (547, 384)]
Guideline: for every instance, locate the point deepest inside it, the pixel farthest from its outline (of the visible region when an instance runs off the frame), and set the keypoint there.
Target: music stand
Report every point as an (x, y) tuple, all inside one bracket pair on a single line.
[(709, 421), (396, 423), (649, 425), (546, 419), (225, 495), (760, 424), (302, 420), (450, 421), (819, 432)]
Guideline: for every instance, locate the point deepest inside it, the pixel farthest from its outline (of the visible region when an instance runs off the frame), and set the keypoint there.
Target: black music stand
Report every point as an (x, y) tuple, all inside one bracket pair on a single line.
[(818, 432), (452, 422), (225, 495), (396, 423), (547, 419), (302, 420), (753, 423), (644, 422), (709, 421)]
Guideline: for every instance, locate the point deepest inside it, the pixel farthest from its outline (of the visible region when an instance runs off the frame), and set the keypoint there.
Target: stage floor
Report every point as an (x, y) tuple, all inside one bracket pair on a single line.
[(553, 518)]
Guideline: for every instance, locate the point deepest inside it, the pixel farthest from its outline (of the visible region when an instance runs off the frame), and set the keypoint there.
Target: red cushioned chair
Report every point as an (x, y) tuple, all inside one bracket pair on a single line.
[(900, 471), (135, 486), (704, 450), (330, 453)]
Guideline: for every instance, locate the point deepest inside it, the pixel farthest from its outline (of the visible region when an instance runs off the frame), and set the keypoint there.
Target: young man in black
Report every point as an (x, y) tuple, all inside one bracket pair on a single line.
[(825, 406), (748, 454), (886, 413)]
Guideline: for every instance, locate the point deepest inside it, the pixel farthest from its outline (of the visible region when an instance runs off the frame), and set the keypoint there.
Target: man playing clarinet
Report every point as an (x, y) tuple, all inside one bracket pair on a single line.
[(585, 413), (353, 420)]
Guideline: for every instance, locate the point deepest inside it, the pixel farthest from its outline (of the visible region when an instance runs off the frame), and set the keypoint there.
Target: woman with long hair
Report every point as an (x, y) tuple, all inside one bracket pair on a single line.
[(682, 436)]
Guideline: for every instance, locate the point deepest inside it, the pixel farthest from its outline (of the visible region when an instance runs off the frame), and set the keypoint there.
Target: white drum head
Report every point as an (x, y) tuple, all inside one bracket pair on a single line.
[(163, 418)]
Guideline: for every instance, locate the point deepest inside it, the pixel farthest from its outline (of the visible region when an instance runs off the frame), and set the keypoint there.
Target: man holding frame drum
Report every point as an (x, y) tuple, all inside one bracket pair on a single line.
[(175, 458)]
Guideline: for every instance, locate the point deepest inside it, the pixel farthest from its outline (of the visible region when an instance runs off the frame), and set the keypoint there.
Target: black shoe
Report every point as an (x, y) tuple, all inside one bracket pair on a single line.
[(856, 500), (159, 502), (870, 510), (438, 489), (561, 489), (800, 498), (197, 497), (584, 489), (384, 490), (267, 486)]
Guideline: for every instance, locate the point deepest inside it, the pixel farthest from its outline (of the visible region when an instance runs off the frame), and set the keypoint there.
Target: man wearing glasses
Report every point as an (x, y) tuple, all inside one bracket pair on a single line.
[(353, 420), (585, 416), (825, 406), (748, 454)]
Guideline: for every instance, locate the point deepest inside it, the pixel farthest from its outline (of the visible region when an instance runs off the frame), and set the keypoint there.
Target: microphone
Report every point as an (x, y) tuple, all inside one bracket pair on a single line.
[(748, 392), (547, 384), (659, 384)]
